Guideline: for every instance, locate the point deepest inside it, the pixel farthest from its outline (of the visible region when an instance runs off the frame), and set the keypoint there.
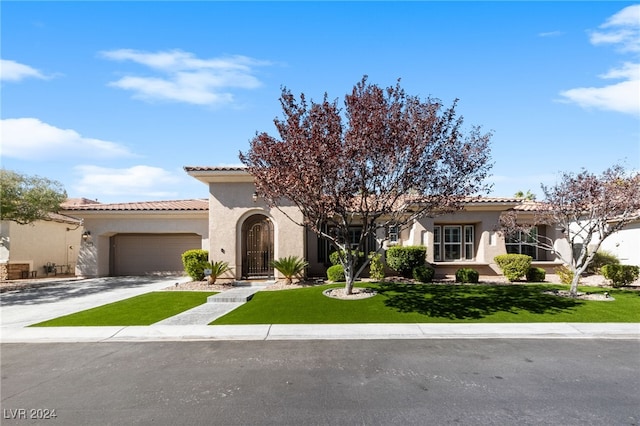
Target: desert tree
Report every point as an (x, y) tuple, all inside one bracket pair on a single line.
[(26, 199), (386, 159), (587, 209)]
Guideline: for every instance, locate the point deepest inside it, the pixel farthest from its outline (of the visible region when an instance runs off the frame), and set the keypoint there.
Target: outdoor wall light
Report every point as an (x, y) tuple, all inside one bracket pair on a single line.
[(255, 197), (86, 235)]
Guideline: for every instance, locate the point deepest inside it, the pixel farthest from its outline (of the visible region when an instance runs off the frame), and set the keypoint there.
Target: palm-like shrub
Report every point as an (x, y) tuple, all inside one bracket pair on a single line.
[(217, 269), (290, 267)]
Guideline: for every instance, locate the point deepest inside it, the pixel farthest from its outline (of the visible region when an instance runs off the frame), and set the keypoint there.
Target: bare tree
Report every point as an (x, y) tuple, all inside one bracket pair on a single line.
[(587, 208), (389, 159)]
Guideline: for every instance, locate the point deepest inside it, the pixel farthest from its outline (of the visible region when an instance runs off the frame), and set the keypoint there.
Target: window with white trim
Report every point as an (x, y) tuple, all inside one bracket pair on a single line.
[(453, 242), (523, 243)]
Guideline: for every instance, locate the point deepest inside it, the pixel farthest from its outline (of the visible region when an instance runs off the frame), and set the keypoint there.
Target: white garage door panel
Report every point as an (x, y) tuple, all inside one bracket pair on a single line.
[(142, 254)]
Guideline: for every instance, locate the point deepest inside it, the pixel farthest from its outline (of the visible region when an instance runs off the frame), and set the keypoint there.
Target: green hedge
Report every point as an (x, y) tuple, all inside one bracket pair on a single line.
[(514, 266), (600, 259), (423, 273), (335, 273), (467, 275), (194, 262), (620, 275), (536, 275), (404, 259)]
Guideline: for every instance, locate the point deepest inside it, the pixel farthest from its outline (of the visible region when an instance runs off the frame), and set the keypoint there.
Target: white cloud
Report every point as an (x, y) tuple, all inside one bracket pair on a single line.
[(139, 181), (182, 77), (551, 34), (622, 97), (622, 31), (15, 71), (31, 139)]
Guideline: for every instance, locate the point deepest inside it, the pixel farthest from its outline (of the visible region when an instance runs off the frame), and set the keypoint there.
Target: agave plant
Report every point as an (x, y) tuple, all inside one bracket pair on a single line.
[(290, 267), (217, 269)]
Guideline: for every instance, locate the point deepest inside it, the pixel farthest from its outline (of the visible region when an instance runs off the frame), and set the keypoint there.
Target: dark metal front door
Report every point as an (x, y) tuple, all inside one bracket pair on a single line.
[(257, 247)]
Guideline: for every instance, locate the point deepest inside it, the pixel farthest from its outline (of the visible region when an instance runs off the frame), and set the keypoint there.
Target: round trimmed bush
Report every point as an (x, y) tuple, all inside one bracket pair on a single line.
[(467, 275), (335, 273), (514, 266), (194, 262), (536, 275), (423, 273), (404, 259), (620, 275)]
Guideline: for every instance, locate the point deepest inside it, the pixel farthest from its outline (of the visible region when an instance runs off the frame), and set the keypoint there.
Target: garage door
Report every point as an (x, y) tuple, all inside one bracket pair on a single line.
[(147, 254)]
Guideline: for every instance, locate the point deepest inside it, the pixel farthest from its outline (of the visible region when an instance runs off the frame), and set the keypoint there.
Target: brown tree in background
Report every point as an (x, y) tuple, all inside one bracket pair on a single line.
[(384, 161), (588, 209)]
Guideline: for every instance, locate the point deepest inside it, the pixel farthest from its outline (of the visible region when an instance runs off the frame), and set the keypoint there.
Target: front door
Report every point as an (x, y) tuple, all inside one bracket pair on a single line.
[(257, 242)]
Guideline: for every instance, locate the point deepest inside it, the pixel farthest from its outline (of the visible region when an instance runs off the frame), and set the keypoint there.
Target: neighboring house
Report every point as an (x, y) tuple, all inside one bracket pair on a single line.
[(138, 238), (42, 248), (248, 234), (625, 244)]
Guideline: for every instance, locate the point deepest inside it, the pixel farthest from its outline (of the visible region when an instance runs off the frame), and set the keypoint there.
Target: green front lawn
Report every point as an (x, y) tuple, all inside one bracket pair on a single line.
[(145, 309), (435, 303)]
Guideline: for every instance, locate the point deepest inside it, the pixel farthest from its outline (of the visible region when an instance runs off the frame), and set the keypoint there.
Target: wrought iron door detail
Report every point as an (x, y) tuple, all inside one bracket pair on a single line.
[(258, 247)]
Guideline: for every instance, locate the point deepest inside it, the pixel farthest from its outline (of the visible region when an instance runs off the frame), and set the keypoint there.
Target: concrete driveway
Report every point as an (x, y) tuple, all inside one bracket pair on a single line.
[(32, 305)]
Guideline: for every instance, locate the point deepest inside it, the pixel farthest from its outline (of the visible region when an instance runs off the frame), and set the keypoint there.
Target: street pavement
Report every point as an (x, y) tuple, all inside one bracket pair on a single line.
[(21, 308)]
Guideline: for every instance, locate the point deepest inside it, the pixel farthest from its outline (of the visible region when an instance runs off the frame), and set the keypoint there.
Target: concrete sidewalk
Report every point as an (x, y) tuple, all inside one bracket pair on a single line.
[(630, 331), (23, 308)]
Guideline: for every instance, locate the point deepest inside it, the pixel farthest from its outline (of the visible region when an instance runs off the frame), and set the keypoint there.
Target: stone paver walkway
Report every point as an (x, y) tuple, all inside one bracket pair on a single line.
[(217, 305)]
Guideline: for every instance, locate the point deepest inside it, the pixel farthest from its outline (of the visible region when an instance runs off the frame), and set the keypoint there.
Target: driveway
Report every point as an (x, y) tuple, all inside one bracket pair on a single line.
[(28, 306)]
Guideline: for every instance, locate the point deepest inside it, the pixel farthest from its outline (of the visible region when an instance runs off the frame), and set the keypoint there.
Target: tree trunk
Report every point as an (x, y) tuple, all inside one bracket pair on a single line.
[(573, 290), (349, 277)]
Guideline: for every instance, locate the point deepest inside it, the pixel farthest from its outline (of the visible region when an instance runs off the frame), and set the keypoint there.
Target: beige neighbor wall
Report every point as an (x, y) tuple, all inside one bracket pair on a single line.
[(94, 256), (230, 205), (39, 243)]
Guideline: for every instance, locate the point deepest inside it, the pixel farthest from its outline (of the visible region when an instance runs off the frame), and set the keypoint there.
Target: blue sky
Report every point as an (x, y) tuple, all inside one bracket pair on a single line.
[(112, 99)]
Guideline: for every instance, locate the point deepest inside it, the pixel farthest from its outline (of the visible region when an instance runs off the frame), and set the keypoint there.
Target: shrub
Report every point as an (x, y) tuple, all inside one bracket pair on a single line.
[(334, 258), (536, 275), (423, 273), (194, 262), (404, 259), (290, 267), (620, 275), (600, 259), (335, 273), (514, 266), (376, 268), (217, 269), (467, 275), (565, 274)]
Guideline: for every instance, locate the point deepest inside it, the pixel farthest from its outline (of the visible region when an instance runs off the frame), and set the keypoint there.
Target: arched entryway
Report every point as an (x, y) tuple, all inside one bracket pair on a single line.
[(257, 247)]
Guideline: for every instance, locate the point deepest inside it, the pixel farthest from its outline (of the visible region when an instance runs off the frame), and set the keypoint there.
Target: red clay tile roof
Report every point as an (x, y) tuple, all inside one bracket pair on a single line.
[(215, 168), (174, 205), (77, 202)]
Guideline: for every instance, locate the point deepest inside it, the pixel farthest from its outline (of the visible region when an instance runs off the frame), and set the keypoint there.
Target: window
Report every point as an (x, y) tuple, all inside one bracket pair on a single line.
[(392, 234), (468, 242), (523, 243), (453, 242), (325, 247), (437, 254)]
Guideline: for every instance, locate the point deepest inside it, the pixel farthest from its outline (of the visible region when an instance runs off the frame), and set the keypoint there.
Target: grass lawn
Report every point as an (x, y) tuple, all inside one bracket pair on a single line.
[(145, 309), (435, 303)]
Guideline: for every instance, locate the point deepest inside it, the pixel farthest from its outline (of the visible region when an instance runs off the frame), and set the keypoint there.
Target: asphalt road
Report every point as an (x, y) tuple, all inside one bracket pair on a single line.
[(383, 382)]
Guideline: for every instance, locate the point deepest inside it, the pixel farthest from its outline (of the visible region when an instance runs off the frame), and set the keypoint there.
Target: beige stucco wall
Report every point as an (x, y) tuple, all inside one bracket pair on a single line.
[(625, 244), (40, 243), (94, 256), (230, 205)]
